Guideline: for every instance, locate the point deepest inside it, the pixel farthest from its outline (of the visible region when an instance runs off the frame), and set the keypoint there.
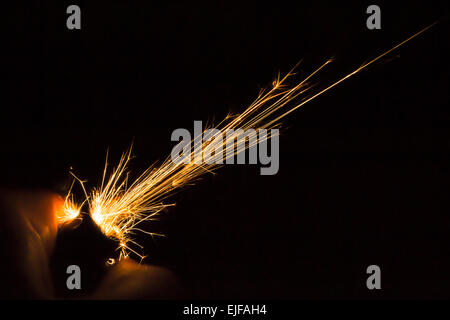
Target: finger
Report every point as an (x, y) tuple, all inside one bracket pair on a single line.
[(131, 280), (28, 228)]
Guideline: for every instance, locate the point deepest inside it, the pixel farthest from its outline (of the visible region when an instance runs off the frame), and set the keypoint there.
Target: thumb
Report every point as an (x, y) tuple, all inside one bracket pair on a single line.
[(28, 227)]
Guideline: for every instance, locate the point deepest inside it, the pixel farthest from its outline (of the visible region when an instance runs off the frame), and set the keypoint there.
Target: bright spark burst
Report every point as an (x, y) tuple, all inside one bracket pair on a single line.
[(119, 208), (70, 209)]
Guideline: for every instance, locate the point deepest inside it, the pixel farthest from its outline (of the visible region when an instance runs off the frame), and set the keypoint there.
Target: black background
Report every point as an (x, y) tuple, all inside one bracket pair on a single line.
[(364, 170)]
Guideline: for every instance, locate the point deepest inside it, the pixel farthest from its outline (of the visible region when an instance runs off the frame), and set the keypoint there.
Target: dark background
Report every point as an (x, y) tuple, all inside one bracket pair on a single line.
[(364, 170)]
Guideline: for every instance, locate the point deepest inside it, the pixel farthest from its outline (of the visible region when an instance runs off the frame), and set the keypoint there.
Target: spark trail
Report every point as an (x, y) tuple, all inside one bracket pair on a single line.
[(119, 207)]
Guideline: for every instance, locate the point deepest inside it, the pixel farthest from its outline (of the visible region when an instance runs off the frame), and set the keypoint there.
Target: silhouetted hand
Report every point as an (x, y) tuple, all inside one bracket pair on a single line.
[(28, 228)]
